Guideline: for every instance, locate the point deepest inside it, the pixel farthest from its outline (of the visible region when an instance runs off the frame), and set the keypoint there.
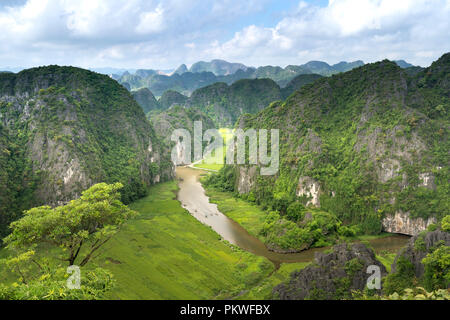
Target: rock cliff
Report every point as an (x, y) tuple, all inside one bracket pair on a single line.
[(65, 129), (332, 275)]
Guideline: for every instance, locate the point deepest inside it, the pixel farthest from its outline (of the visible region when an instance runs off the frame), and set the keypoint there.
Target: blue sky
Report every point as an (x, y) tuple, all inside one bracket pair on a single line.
[(163, 34)]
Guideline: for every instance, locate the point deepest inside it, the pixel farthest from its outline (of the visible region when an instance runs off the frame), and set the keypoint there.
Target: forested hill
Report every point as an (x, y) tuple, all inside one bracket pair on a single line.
[(202, 74), (224, 104), (369, 146), (178, 117), (146, 100), (63, 129), (170, 98)]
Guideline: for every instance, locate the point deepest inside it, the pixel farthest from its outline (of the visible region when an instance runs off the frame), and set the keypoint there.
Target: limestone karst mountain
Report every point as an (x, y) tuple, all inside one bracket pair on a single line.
[(63, 129)]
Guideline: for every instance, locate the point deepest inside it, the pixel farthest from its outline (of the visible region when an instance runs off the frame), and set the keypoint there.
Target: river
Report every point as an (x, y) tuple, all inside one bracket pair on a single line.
[(193, 198)]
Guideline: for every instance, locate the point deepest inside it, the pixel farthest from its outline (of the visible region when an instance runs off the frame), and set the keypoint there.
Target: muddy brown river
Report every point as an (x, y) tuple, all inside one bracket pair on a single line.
[(193, 198)]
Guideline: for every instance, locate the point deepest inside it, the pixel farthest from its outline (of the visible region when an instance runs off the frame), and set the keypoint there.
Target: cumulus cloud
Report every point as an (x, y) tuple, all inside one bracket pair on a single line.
[(416, 30), (164, 34), (151, 21)]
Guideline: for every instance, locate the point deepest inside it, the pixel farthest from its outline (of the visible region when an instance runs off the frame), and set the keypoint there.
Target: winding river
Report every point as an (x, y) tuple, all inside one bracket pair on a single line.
[(193, 198)]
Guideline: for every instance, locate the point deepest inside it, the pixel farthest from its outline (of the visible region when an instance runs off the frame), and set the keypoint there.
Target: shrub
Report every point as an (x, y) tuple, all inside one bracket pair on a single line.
[(295, 211)]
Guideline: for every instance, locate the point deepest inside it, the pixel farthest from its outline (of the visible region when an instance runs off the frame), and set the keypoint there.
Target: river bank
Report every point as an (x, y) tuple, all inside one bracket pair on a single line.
[(251, 217), (240, 222), (165, 253)]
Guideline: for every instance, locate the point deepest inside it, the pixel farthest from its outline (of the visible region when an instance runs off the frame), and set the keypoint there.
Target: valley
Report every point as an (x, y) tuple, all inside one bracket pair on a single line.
[(166, 243), (362, 174), (227, 159)]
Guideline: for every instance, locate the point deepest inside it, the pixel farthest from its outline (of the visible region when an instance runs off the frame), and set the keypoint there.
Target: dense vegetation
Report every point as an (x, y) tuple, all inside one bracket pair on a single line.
[(170, 253), (297, 83), (374, 140), (425, 262), (45, 239), (170, 98), (302, 229), (178, 117), (146, 100), (63, 129), (224, 104)]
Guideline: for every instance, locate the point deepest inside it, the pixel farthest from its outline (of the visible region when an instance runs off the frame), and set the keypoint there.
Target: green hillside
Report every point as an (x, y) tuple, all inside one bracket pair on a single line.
[(224, 104), (63, 129), (363, 146), (146, 100)]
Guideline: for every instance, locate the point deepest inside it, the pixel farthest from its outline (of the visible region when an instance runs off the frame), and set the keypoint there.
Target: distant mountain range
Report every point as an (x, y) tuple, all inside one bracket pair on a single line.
[(223, 104), (186, 80)]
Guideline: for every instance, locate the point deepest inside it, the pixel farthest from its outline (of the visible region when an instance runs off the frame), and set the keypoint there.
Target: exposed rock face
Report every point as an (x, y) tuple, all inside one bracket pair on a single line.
[(333, 275), (402, 223), (427, 179), (310, 188), (415, 255), (366, 138), (181, 153), (246, 179), (78, 128)]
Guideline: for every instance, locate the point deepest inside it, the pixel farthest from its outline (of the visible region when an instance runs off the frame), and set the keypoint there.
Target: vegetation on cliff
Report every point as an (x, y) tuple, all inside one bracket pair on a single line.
[(146, 100), (171, 98), (424, 262), (62, 129), (373, 140), (224, 104)]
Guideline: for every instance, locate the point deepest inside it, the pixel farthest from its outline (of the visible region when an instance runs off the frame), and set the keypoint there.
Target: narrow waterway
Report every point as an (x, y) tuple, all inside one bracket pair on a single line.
[(193, 198)]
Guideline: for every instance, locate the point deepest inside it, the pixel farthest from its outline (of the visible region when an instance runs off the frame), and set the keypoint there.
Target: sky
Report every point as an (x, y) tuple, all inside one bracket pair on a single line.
[(162, 35)]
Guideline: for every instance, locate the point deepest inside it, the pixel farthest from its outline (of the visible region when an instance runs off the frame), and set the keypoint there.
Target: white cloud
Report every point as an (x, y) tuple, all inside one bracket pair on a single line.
[(152, 21), (164, 34), (346, 30)]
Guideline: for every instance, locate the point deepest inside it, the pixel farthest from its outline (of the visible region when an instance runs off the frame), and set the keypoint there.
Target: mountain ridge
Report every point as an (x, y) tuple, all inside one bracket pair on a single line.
[(203, 73), (62, 129), (370, 146)]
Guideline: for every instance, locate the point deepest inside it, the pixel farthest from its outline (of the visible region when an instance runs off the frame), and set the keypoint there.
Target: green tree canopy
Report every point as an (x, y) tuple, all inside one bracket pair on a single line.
[(81, 226), (74, 231)]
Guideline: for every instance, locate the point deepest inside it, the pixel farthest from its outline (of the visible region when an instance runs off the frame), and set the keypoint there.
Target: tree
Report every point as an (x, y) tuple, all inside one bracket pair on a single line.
[(42, 280), (74, 231), (296, 211), (437, 269), (86, 223)]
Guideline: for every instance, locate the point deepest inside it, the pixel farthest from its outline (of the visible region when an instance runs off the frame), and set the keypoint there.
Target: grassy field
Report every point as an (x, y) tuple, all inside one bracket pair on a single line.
[(210, 163), (248, 215), (166, 253), (263, 290)]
